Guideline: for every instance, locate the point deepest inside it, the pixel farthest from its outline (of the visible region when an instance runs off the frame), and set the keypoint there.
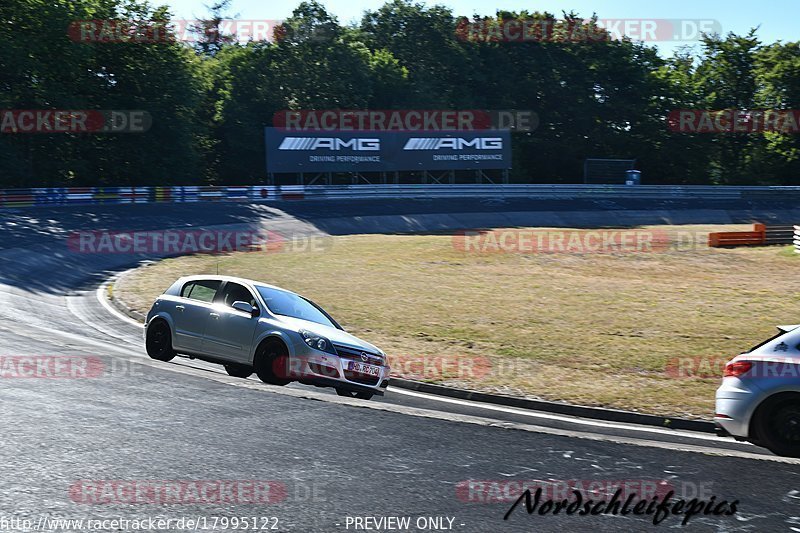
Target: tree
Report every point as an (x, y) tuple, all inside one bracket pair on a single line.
[(727, 77), (424, 42), (46, 70), (211, 38), (595, 96), (778, 74)]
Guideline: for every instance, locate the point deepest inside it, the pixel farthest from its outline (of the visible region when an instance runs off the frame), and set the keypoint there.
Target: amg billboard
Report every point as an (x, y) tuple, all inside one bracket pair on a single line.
[(386, 151)]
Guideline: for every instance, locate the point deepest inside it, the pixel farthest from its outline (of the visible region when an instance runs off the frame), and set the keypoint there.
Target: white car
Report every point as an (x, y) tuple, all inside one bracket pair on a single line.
[(759, 399), (250, 326)]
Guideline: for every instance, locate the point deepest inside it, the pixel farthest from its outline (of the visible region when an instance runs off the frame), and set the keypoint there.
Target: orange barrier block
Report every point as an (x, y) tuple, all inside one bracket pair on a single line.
[(736, 238)]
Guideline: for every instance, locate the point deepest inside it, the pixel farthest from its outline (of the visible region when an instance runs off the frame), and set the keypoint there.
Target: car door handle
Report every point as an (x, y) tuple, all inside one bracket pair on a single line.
[(214, 315), (180, 307)]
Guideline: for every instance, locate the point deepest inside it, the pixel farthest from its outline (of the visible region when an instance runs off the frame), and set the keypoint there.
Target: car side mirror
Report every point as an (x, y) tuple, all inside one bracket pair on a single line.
[(245, 308)]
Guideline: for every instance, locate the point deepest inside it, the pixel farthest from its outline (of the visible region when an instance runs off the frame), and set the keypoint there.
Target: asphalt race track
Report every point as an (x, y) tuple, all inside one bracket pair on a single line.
[(326, 460)]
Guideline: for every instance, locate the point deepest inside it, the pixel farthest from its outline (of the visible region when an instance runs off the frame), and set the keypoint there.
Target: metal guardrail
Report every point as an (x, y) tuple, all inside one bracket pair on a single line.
[(775, 234), (258, 193), (546, 191)]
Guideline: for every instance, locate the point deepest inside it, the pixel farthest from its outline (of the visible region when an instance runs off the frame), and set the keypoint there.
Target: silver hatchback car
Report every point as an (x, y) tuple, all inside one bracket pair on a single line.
[(759, 399), (249, 326)]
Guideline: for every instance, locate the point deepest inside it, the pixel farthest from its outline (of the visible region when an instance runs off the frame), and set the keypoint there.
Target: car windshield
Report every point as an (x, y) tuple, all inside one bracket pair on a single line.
[(289, 304)]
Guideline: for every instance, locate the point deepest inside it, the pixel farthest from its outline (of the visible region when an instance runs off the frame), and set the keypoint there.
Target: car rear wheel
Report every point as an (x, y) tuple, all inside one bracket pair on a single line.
[(159, 341), (778, 425), (239, 371), (354, 394), (272, 363)]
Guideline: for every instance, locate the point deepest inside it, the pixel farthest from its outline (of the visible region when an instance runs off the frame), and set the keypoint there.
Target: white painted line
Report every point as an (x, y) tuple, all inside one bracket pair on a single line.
[(563, 418), (78, 339), (101, 297), (88, 322)]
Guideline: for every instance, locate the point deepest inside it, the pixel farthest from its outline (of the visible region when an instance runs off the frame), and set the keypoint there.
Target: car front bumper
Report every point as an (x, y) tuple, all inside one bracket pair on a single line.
[(318, 368)]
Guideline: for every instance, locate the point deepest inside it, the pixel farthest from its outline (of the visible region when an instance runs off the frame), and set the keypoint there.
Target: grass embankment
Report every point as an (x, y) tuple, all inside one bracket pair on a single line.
[(592, 329)]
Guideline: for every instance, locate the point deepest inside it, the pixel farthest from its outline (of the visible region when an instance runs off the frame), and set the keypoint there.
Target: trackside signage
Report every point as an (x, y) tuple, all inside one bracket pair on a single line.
[(380, 151)]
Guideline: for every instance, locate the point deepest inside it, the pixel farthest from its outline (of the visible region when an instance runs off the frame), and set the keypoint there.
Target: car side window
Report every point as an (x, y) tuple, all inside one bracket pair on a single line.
[(202, 290), (237, 293)]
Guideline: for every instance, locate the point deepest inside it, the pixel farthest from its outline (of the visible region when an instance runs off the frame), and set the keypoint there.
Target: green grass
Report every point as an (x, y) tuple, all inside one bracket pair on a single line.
[(592, 329)]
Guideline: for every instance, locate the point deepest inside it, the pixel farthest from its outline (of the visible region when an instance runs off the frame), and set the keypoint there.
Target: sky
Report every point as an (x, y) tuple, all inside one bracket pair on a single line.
[(777, 19)]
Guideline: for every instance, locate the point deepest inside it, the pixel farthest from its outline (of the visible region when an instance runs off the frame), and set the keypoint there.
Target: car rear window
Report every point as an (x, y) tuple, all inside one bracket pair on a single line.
[(789, 337), (203, 290)]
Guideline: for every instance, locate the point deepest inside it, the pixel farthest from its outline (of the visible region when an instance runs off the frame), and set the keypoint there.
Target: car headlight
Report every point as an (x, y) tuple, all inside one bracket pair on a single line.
[(317, 342)]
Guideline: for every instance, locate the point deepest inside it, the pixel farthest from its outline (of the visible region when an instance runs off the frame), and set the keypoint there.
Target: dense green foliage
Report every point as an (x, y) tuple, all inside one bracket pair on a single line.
[(210, 101)]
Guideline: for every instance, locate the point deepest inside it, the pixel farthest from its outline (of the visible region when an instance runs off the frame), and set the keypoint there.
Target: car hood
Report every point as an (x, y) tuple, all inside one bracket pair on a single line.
[(336, 336)]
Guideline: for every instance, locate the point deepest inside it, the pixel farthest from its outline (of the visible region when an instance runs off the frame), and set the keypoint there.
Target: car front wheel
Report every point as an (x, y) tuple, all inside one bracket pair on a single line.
[(272, 363), (159, 341)]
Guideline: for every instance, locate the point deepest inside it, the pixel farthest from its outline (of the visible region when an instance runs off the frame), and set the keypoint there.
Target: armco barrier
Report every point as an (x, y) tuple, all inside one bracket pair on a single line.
[(12, 198), (776, 234), (722, 239)]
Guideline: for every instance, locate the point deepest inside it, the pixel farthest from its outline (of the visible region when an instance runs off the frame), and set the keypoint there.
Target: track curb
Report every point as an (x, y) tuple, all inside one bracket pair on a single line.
[(599, 413), (120, 304)]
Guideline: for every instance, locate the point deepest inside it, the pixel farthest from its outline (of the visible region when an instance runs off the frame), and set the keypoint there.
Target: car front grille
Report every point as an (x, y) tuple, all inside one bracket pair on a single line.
[(345, 352), (358, 377)]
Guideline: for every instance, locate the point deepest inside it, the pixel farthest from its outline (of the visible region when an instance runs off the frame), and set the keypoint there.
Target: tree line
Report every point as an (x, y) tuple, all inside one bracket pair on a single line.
[(210, 100)]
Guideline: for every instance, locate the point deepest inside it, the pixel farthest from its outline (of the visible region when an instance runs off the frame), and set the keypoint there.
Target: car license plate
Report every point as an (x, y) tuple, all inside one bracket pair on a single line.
[(361, 368)]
